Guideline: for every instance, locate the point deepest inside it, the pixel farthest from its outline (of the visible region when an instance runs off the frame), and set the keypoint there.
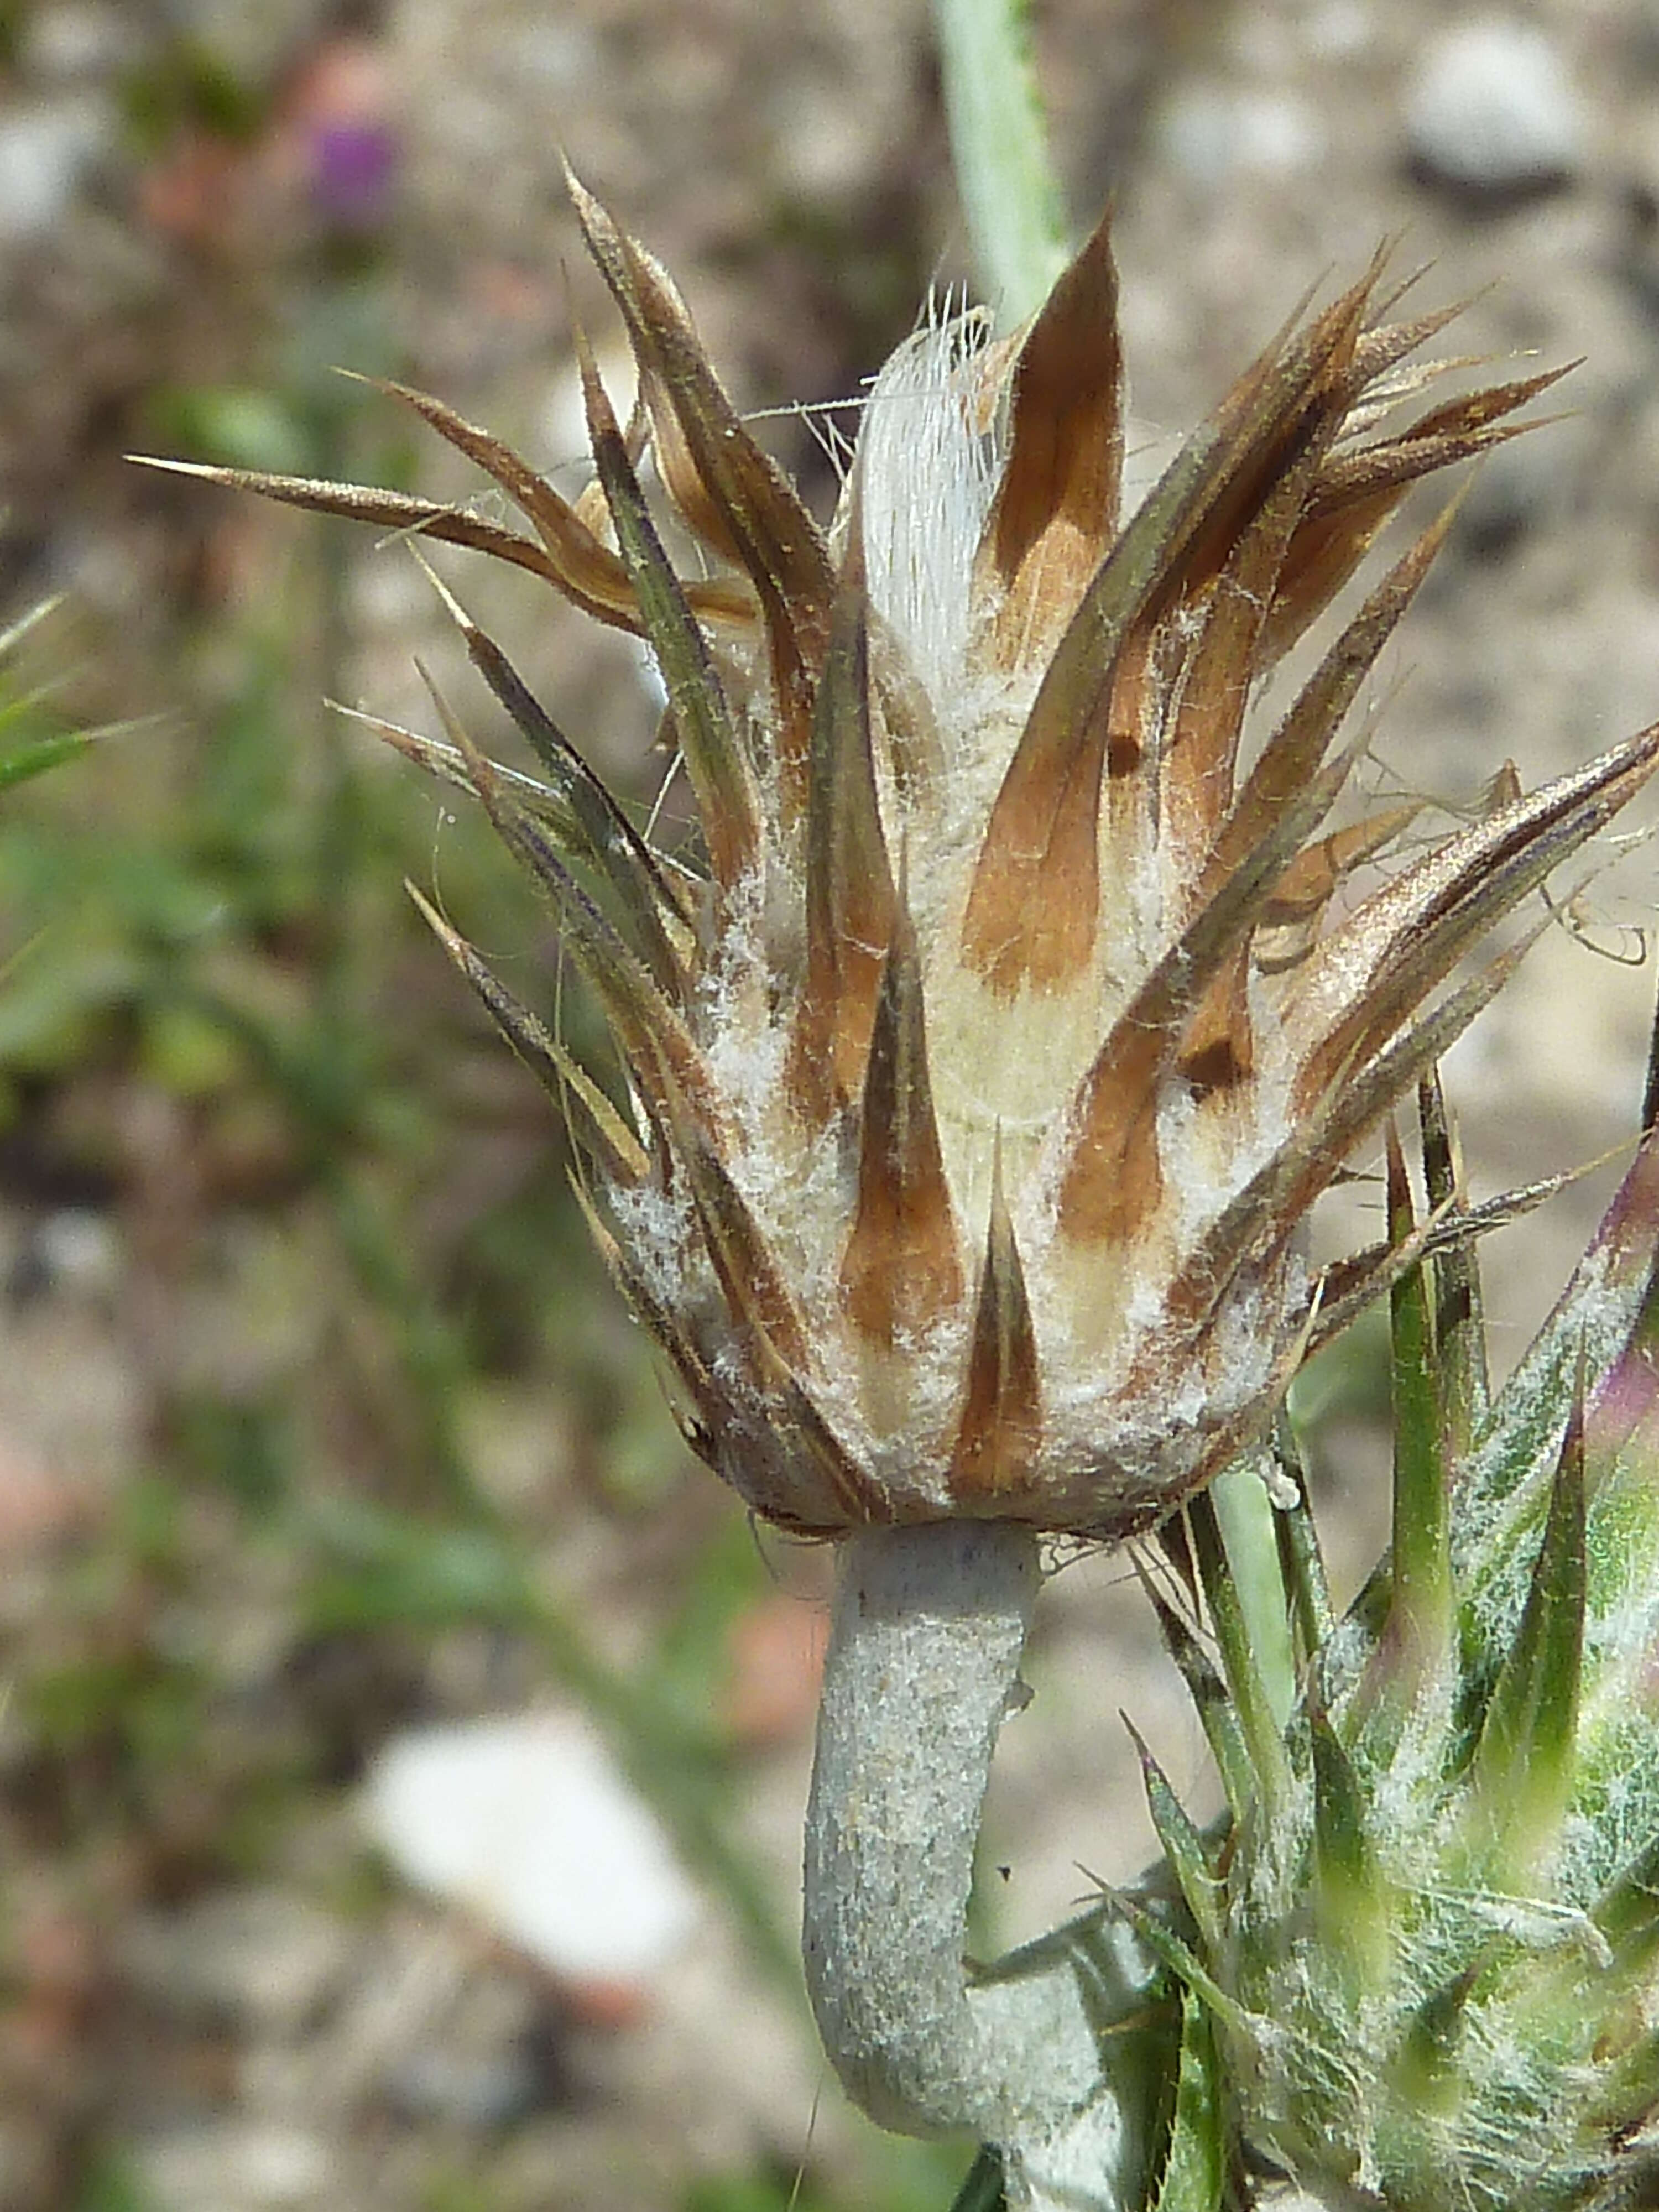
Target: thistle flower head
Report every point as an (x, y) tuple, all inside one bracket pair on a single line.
[(983, 1066)]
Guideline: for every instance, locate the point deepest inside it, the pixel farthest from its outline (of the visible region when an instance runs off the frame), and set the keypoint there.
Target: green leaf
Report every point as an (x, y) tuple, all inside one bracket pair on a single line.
[(1421, 1612), (1248, 1519), (1520, 1780), (1426, 2067), (1196, 2169), (40, 755), (1301, 1563), (1214, 1708), (981, 2188), (1352, 1896), (1241, 1660), (1010, 193), (1182, 1961), (1183, 1847), (1459, 1332)]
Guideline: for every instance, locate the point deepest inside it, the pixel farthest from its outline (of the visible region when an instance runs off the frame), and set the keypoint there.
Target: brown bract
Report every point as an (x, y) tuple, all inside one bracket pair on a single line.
[(1023, 997)]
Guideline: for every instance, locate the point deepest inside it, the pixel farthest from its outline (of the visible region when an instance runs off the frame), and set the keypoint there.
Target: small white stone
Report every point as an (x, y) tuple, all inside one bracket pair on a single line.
[(526, 1823), (1493, 109)]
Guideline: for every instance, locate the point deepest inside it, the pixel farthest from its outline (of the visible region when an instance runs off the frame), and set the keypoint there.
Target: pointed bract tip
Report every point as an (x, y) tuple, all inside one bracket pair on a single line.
[(1001, 1430), (901, 1270)]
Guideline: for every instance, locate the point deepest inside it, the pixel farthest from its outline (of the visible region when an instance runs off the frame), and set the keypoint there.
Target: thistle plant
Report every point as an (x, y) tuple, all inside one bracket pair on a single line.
[(1419, 1956), (981, 1058)]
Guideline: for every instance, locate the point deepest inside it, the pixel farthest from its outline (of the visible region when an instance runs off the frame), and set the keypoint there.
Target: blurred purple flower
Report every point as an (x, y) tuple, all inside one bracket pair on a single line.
[(353, 174)]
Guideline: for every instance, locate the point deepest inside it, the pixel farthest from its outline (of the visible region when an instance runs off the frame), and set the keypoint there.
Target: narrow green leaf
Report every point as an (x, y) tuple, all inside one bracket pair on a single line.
[(1183, 1847), (1426, 2068), (1181, 1960), (1241, 1662), (1301, 1563), (1591, 1323), (1521, 1779), (1628, 1909), (1421, 1611), (1459, 1332), (594, 1122), (31, 619), (1213, 1706), (1352, 1896), (1346, 1861), (1247, 1515), (981, 2187), (998, 145), (1195, 2170), (40, 754)]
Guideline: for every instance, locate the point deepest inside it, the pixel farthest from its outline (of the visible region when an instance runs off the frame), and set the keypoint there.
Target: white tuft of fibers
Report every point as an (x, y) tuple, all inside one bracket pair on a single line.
[(926, 479)]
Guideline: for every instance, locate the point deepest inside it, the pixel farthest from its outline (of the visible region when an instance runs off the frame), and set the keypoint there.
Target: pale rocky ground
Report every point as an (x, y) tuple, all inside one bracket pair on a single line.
[(789, 165)]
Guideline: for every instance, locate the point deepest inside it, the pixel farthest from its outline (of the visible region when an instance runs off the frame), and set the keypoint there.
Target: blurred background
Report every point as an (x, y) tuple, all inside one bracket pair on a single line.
[(402, 1742)]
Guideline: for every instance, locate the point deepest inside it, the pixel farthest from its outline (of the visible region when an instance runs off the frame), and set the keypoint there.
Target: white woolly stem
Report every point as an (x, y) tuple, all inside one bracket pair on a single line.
[(923, 1663)]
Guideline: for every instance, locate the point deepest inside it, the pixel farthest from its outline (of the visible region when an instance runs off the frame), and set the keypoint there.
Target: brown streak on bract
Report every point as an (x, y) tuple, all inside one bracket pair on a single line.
[(849, 879), (1324, 552), (1035, 927), (1295, 748), (1056, 506), (1178, 540), (901, 1270), (1111, 1178), (1000, 1431), (1114, 1177), (1218, 1051), (1200, 757), (1262, 1217)]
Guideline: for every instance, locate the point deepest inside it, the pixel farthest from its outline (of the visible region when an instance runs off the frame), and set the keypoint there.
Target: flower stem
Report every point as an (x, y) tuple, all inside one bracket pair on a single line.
[(929, 1625), (1000, 148)]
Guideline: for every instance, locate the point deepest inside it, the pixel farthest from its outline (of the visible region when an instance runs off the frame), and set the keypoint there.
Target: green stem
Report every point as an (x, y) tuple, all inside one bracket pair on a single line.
[(998, 145)]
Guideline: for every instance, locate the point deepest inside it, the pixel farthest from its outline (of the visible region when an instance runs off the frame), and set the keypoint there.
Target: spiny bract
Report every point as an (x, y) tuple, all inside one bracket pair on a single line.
[(983, 1071), (1421, 1955)]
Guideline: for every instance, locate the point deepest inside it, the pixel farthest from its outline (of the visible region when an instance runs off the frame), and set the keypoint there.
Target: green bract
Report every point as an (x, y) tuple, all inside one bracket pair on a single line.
[(1421, 1958)]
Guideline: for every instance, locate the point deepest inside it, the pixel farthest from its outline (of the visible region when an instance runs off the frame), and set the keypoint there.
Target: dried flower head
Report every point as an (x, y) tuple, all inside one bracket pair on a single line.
[(982, 1072)]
